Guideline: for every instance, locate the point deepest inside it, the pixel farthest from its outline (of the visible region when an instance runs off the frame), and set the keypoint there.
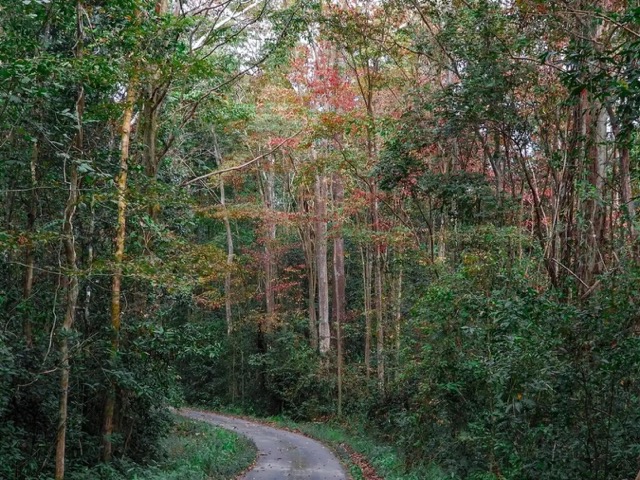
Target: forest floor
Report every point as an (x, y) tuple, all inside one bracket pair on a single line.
[(281, 454)]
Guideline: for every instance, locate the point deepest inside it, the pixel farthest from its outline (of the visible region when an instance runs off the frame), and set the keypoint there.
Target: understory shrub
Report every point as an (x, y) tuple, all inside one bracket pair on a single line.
[(516, 384)]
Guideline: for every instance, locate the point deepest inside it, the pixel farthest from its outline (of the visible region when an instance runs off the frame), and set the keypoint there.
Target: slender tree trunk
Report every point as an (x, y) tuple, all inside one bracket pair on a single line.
[(230, 255), (227, 282), (29, 256), (71, 281), (321, 264), (339, 283), (398, 319), (269, 243), (230, 250), (154, 94), (621, 129), (442, 236), (71, 277), (116, 285), (89, 264), (378, 282), (367, 268), (151, 95), (306, 235)]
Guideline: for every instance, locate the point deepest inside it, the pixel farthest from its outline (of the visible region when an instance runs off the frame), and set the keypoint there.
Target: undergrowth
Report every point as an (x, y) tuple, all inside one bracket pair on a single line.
[(193, 451), (385, 459)]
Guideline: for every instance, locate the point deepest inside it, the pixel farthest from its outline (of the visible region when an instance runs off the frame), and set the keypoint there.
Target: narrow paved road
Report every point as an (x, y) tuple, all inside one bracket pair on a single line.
[(282, 455)]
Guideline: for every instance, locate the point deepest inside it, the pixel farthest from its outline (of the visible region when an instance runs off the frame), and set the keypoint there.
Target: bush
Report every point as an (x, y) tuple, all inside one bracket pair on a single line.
[(518, 385)]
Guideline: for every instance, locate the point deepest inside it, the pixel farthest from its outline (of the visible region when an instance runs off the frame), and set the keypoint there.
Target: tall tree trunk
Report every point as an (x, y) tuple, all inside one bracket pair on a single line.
[(270, 237), (621, 129), (306, 236), (230, 250), (29, 256), (72, 291), (154, 93), (230, 255), (71, 277), (590, 130), (378, 291), (152, 96), (321, 264), (227, 280), (367, 268), (116, 285), (89, 263), (594, 213), (339, 282), (625, 189), (398, 319), (227, 290)]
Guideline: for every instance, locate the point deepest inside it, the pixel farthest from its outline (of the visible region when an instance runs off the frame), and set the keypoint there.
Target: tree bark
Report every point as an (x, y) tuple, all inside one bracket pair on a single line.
[(306, 236), (154, 94), (116, 285), (230, 249), (29, 256), (339, 282), (230, 255), (378, 293), (367, 268), (594, 211), (398, 318), (321, 264), (89, 263), (270, 237), (71, 276)]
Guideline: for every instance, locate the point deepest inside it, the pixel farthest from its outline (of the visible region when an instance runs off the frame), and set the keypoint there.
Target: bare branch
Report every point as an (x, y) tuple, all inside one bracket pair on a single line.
[(243, 165)]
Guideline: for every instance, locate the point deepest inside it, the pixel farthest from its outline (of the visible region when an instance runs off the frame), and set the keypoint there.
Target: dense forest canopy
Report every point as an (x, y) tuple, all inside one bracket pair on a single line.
[(416, 213)]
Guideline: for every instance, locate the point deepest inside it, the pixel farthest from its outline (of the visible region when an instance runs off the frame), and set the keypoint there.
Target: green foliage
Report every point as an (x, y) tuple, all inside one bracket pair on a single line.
[(197, 450), (502, 382), (349, 437), (191, 451), (491, 374), (296, 376)]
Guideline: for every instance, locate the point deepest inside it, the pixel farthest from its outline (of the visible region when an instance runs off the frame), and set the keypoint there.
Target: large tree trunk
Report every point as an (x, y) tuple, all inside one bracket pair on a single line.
[(71, 277), (592, 261), (591, 131), (321, 264), (339, 282), (116, 285)]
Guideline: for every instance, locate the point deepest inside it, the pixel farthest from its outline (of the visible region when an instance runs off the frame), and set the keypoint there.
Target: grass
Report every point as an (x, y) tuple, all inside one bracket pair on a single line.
[(194, 451), (199, 451), (385, 459)]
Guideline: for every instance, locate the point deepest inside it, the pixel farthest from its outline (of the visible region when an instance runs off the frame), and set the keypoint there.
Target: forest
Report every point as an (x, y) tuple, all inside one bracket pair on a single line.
[(417, 216)]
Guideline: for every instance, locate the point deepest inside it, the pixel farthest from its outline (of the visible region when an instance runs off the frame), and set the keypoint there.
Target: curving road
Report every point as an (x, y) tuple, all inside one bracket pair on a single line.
[(282, 455)]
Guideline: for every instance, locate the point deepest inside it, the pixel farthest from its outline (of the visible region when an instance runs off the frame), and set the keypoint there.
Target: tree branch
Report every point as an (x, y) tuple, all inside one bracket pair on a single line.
[(243, 165)]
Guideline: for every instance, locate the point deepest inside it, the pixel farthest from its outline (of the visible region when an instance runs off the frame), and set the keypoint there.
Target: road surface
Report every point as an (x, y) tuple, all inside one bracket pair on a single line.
[(282, 455)]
